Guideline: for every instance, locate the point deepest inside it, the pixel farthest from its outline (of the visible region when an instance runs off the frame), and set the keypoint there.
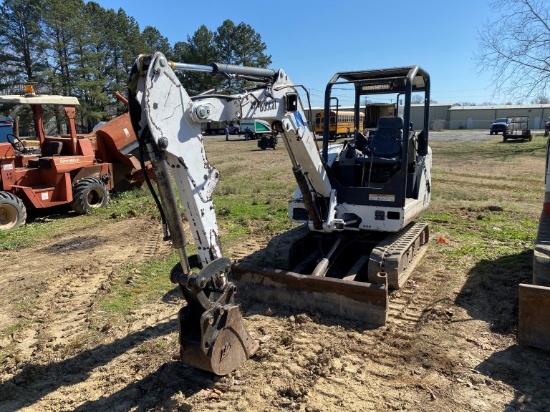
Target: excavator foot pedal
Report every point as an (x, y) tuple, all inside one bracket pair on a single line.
[(215, 340)]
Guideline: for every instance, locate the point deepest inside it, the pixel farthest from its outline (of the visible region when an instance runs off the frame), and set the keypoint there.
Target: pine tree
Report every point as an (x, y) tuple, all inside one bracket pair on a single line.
[(22, 52), (199, 49), (240, 45)]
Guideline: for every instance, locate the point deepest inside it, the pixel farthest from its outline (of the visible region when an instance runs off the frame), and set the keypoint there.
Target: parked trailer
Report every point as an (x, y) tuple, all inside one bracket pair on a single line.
[(518, 129), (212, 128)]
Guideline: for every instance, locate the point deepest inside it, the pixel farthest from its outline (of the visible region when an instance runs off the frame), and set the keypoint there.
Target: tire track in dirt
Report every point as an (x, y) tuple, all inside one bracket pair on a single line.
[(61, 282), (354, 355), (321, 372), (152, 246), (244, 250), (70, 298), (67, 302), (305, 366)]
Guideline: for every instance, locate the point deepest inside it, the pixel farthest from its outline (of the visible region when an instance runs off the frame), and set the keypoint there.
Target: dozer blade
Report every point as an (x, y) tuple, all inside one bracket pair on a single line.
[(366, 302), (534, 316)]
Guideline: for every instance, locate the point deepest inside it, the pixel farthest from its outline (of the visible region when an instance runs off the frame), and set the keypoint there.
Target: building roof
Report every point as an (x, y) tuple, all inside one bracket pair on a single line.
[(502, 106)]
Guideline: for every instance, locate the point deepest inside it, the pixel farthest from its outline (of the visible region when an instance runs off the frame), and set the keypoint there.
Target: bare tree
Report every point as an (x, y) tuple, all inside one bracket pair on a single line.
[(515, 48)]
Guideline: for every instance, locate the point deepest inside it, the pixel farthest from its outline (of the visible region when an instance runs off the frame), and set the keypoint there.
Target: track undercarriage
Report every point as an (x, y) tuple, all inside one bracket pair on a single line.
[(346, 275)]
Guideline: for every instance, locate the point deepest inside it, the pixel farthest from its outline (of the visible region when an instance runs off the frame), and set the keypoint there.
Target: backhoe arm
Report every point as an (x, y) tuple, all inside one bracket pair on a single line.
[(212, 333), (168, 122)]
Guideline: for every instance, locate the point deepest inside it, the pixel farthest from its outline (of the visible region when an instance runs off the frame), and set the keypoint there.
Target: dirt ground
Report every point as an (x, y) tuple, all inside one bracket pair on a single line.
[(449, 344)]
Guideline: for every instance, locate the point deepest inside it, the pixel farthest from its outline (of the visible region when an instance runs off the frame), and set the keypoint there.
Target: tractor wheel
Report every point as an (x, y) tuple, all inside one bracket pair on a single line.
[(12, 211), (89, 193)]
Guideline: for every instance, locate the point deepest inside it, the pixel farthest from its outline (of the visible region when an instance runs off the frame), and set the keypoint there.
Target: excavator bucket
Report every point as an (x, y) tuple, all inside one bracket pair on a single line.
[(213, 336), (215, 340)]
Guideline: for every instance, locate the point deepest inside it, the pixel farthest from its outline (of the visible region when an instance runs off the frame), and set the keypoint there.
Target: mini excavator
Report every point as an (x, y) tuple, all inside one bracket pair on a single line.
[(356, 202)]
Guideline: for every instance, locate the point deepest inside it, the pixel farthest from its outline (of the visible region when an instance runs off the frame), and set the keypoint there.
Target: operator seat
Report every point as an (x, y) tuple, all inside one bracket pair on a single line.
[(386, 144), (44, 161)]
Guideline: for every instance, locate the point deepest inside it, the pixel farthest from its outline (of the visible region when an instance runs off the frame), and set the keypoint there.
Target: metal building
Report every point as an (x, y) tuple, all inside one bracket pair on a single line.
[(456, 116)]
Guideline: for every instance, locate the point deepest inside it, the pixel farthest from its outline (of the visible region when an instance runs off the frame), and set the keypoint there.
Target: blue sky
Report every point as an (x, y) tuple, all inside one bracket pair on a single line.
[(313, 39)]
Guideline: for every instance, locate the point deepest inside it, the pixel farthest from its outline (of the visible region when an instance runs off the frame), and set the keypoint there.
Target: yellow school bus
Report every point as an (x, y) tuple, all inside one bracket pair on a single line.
[(339, 125)]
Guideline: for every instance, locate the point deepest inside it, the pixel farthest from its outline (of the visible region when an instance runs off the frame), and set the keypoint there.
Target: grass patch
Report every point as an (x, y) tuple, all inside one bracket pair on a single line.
[(132, 203), (25, 235), (137, 285), (486, 199), (51, 222)]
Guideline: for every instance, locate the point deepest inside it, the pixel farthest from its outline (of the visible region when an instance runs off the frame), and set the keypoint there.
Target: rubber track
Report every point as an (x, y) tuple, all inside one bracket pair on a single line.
[(398, 254), (279, 248)]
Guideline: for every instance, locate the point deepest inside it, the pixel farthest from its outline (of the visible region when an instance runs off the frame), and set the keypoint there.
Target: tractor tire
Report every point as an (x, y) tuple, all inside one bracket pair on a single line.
[(12, 211), (89, 193), (262, 143)]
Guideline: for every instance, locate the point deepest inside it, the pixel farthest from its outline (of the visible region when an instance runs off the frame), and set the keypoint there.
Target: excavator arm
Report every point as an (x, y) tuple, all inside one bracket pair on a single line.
[(212, 333), (168, 122)]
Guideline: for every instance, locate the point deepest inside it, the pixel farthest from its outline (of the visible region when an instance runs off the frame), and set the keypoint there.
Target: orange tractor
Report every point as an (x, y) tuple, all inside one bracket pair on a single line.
[(71, 168)]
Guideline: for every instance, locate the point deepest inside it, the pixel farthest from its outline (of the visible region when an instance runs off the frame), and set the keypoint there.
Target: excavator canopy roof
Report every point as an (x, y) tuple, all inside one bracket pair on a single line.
[(385, 80)]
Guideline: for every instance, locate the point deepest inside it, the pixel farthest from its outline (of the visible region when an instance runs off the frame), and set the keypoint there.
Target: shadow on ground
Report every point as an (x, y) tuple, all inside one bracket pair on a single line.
[(491, 294), (35, 382)]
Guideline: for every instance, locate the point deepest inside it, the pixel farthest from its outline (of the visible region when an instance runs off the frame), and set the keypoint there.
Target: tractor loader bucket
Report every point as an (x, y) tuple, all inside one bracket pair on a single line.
[(534, 318), (363, 301)]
